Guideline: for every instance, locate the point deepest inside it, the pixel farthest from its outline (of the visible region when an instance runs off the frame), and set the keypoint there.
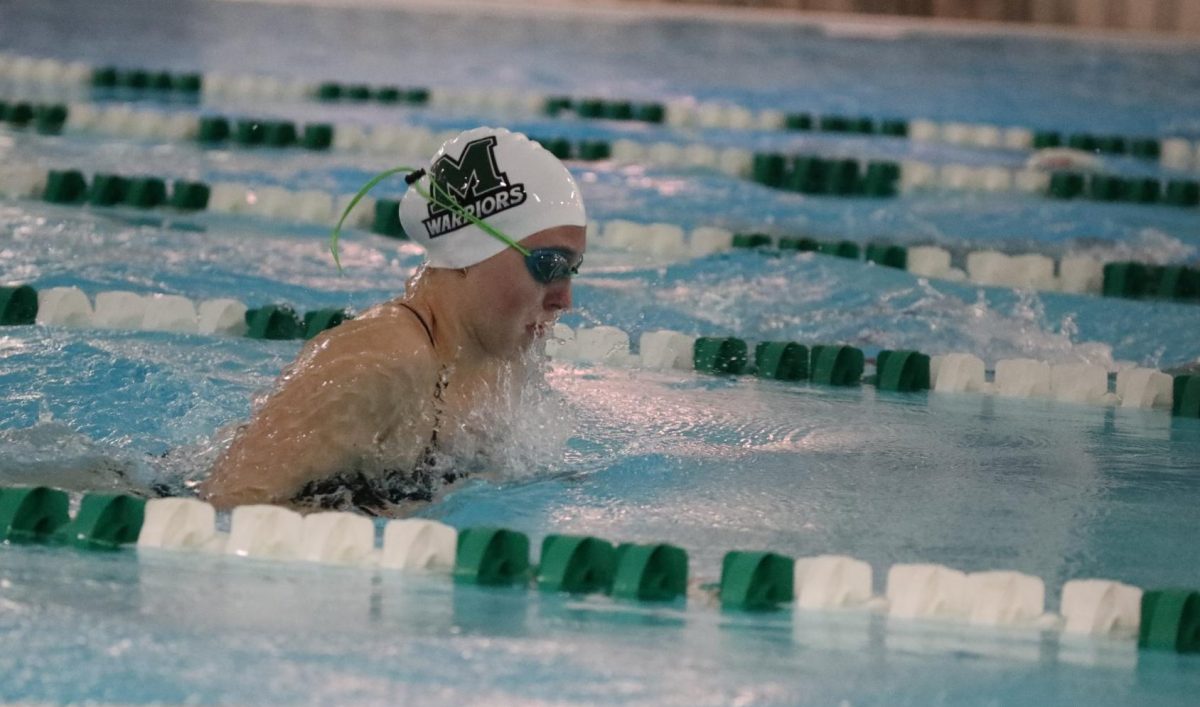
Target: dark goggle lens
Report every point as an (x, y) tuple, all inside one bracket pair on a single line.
[(548, 265)]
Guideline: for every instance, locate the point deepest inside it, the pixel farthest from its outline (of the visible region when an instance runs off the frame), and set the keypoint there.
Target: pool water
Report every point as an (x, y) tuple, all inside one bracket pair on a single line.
[(1051, 489)]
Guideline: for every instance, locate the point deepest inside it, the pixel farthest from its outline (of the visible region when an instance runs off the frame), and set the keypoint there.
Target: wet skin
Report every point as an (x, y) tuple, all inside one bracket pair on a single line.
[(361, 395)]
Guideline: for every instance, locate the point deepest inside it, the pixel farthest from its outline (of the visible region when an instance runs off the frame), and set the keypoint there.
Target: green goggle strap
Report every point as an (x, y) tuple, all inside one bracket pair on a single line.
[(442, 198)]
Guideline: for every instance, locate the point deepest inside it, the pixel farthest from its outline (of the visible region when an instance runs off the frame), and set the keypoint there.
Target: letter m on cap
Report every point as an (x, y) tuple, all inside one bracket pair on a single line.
[(471, 177)]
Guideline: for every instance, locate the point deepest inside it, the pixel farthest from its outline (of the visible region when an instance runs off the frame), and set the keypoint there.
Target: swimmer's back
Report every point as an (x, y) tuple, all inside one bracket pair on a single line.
[(356, 393)]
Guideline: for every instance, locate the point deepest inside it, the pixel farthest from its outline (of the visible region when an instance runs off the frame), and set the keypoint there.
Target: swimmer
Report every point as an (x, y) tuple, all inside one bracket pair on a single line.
[(367, 406)]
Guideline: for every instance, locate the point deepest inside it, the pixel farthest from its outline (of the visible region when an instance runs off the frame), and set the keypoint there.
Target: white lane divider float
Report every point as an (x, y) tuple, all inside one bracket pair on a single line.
[(924, 591), (268, 532), (337, 538), (831, 582), (114, 309), (177, 524), (422, 545), (1101, 608), (955, 372), (821, 584)]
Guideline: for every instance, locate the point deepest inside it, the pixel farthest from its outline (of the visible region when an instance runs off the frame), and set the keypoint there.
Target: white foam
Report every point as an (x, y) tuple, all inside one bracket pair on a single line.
[(561, 343)]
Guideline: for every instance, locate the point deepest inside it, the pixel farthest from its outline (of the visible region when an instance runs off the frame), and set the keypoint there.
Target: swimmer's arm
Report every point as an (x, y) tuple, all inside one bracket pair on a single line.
[(328, 415)]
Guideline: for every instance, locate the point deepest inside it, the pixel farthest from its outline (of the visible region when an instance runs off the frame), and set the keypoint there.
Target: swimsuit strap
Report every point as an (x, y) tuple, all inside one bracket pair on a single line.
[(421, 319), (428, 459)]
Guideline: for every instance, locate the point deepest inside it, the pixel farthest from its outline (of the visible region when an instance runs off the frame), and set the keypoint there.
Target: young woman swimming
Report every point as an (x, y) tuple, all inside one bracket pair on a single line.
[(367, 406)]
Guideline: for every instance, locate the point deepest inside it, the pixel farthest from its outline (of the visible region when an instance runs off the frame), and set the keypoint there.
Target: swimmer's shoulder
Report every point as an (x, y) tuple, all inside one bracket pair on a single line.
[(386, 333)]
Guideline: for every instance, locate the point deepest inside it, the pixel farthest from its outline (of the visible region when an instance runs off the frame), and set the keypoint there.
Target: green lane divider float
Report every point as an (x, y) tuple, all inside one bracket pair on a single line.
[(719, 355), (18, 305), (1139, 280), (890, 256), (650, 572), (105, 521), (751, 240), (1132, 190), (319, 320), (215, 130), (1186, 402), (41, 514), (820, 176), (275, 322), (598, 108), (65, 187), (144, 192), (279, 322), (781, 360), (387, 219), (837, 365), (1121, 279), (332, 91), (801, 244), (841, 249), (189, 85), (902, 371), (491, 557), (189, 196), (576, 564), (1170, 621), (46, 119), (31, 514), (111, 77), (756, 581)]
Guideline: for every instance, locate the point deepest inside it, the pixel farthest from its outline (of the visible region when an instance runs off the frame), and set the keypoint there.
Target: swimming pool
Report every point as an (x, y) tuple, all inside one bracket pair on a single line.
[(711, 464)]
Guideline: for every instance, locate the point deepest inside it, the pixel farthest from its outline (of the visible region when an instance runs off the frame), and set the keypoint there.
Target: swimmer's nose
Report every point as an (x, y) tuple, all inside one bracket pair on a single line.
[(558, 296)]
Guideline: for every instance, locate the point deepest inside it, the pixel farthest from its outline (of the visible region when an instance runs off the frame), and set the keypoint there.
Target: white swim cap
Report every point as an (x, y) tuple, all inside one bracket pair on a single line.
[(501, 177)]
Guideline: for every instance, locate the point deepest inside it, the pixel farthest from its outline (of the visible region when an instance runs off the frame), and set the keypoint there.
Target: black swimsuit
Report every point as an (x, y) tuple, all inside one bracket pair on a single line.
[(374, 494)]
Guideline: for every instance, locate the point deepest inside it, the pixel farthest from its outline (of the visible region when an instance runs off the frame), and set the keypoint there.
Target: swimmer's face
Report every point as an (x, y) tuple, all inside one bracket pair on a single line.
[(511, 308)]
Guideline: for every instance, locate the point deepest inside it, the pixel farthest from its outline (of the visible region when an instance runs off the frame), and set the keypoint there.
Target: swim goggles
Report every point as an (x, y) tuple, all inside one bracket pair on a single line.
[(546, 265), (550, 265)]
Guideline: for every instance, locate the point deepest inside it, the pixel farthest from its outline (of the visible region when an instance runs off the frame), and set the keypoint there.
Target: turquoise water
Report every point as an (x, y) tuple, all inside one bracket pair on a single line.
[(1055, 490)]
